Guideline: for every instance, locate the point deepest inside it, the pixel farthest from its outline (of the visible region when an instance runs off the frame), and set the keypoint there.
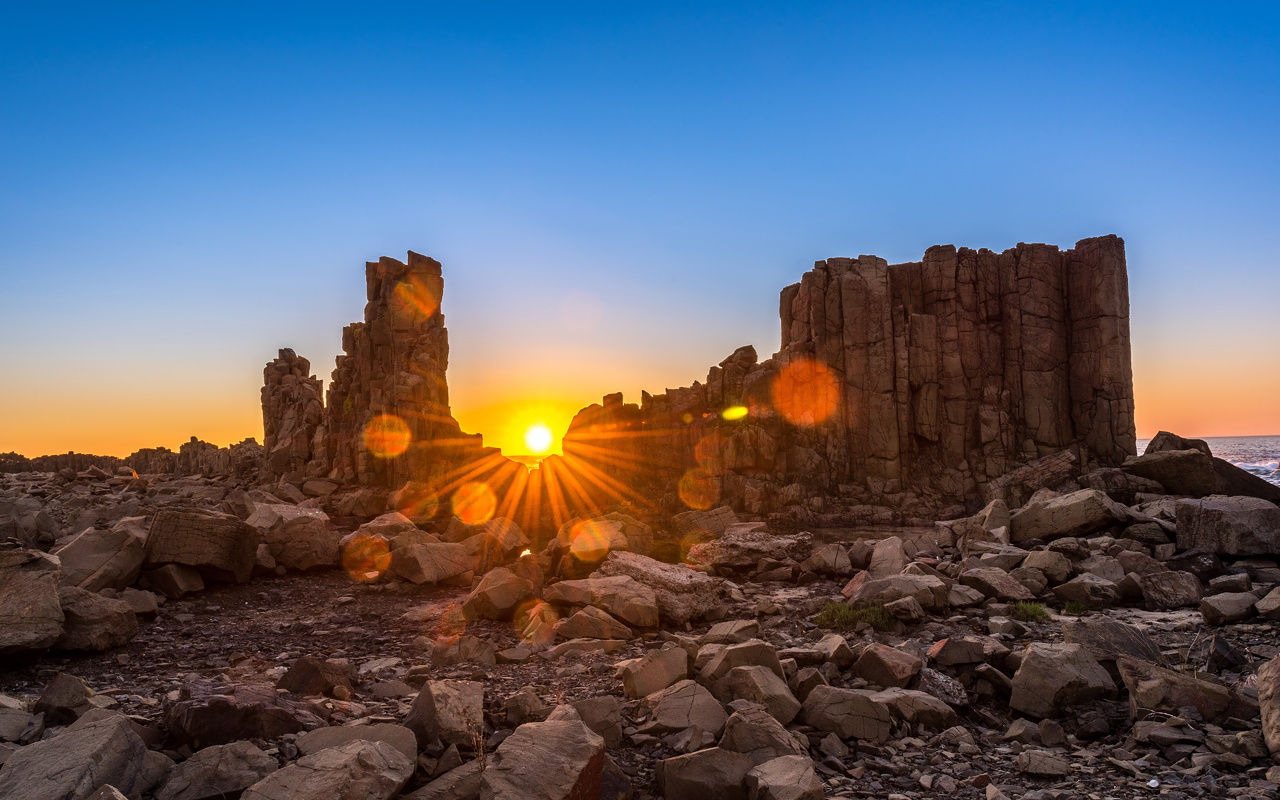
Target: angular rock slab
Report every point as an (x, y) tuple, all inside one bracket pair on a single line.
[(681, 706), (32, 618), (451, 712), (560, 759), (211, 714), (219, 771), (1054, 676), (1074, 514), (94, 622), (681, 593), (1269, 701), (621, 595), (1153, 688), (78, 761), (220, 546), (497, 595), (784, 778), (756, 734), (847, 713), (1236, 526), (711, 774), (97, 560), (357, 769)]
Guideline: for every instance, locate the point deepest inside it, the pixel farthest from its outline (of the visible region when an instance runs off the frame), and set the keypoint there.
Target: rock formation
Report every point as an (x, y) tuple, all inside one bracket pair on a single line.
[(896, 382)]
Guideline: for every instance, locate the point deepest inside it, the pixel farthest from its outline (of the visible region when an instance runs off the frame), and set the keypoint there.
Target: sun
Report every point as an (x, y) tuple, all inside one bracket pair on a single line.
[(538, 439)]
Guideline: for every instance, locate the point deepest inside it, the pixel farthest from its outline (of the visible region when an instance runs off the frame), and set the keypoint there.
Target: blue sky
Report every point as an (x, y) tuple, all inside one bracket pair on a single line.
[(617, 191)]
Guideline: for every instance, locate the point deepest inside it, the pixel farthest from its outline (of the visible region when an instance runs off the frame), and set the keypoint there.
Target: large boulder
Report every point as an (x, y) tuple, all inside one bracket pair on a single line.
[(692, 527), (398, 736), (681, 706), (996, 584), (559, 759), (681, 593), (654, 671), (785, 778), (32, 618), (94, 622), (497, 595), (927, 590), (742, 547), (1227, 607), (95, 560), (314, 676), (848, 713), (1236, 526), (711, 774), (754, 732), (1162, 591), (883, 665), (220, 546), (622, 596), (1108, 639), (82, 758), (590, 622), (1054, 676), (357, 769), (431, 562), (299, 538), (1182, 472), (448, 712), (208, 714), (760, 685), (1166, 691), (223, 770), (1121, 486), (1078, 513)]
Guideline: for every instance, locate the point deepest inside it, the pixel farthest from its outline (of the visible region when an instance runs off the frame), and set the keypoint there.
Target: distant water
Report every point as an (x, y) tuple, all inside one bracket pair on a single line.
[(1258, 454)]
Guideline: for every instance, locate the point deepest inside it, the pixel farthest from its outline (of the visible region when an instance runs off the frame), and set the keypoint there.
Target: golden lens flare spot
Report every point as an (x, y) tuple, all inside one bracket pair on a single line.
[(386, 436), (591, 540), (416, 500), (687, 418), (806, 392), (734, 412), (538, 439), (366, 558), (474, 503), (417, 297), (699, 489)]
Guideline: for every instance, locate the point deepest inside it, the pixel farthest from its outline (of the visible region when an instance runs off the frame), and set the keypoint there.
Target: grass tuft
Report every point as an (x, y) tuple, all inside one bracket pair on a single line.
[(843, 617), (1075, 608), (1029, 611)]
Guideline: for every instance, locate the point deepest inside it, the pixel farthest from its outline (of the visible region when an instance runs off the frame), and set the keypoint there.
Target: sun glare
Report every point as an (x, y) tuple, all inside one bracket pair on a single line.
[(538, 439)]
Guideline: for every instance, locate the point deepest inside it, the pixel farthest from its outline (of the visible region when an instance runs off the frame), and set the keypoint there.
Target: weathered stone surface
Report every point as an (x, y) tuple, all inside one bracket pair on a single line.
[(64, 700), (1269, 606), (622, 596), (1054, 676), (1236, 526), (753, 652), (208, 714), (590, 622), (559, 759), (216, 772), (831, 559), (1107, 639), (995, 583), (451, 712), (292, 411), (603, 715), (78, 761), (1220, 609), (94, 622), (460, 783), (1269, 703), (681, 593), (1088, 589), (32, 618), (174, 580), (756, 734), (846, 713), (357, 769), (95, 559), (498, 594), (220, 546), (761, 685), (887, 558), (1119, 485), (734, 631), (299, 538), (682, 705), (1181, 472), (1153, 688), (784, 778), (711, 774), (883, 665), (398, 736), (430, 562), (313, 676), (917, 706), (1042, 764), (654, 671), (700, 526), (1055, 566), (1167, 590), (1074, 514), (928, 591)]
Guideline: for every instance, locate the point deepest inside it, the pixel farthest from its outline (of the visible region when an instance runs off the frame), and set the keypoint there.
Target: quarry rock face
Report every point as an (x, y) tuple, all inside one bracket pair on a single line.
[(935, 377)]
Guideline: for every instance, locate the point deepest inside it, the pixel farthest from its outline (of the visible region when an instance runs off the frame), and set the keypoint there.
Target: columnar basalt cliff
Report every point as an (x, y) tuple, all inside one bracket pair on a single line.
[(908, 385)]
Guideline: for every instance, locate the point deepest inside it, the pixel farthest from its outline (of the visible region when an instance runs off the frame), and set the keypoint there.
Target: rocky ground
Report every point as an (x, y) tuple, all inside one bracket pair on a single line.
[(218, 642)]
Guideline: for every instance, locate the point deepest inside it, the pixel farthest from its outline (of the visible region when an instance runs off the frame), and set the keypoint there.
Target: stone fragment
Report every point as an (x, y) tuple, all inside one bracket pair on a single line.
[(743, 546), (603, 715), (559, 759), (298, 537), (682, 594), (590, 622), (223, 770), (1108, 639), (95, 560), (1182, 472), (1054, 676), (94, 622), (460, 783), (1042, 764), (208, 714), (64, 700), (887, 558), (498, 594), (734, 631), (357, 769), (32, 618), (697, 526), (711, 774), (174, 580), (1074, 514), (1055, 566), (1119, 485), (1269, 703), (431, 562), (1155, 689), (1228, 607), (996, 584), (835, 649), (957, 650), (1269, 606), (79, 760), (908, 609), (846, 713), (928, 591), (621, 596), (1237, 526), (143, 603), (1088, 589), (784, 778), (761, 685), (398, 736), (654, 671), (447, 711), (752, 731), (313, 676), (831, 559), (882, 665), (1162, 591), (220, 546), (917, 707), (683, 705), (753, 652)]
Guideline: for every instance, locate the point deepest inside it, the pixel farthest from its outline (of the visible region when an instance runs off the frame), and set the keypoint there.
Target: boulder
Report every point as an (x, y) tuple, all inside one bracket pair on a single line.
[(784, 778), (1055, 676), (930, 592), (590, 622), (602, 714), (559, 759), (309, 675), (734, 631), (495, 542), (208, 714), (398, 736), (298, 537), (1269, 704), (742, 546), (917, 707), (682, 594), (847, 713), (831, 559), (621, 596), (1182, 472), (143, 603), (32, 618), (711, 774), (1042, 764), (1119, 485), (1088, 589), (995, 584), (1269, 606), (220, 546), (497, 596), (753, 652), (882, 665), (79, 760), (654, 671), (1228, 607), (761, 685), (173, 580), (1162, 591), (755, 733), (459, 783), (448, 712), (431, 562), (692, 527), (223, 770), (357, 769), (1165, 691), (95, 560), (680, 706), (1074, 514), (1236, 526), (94, 622), (1055, 566), (887, 558), (1108, 639)]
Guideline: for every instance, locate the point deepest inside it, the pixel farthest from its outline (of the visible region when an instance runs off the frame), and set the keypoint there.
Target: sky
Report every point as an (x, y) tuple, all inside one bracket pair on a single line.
[(617, 191)]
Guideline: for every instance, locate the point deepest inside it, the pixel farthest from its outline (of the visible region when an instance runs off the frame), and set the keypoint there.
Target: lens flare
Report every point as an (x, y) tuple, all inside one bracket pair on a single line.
[(386, 436), (366, 558), (806, 392), (474, 503), (590, 540), (538, 439), (699, 489), (417, 297), (416, 500), (734, 412)]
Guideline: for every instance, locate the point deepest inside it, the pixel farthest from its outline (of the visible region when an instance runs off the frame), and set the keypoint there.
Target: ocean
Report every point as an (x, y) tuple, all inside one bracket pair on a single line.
[(1258, 454)]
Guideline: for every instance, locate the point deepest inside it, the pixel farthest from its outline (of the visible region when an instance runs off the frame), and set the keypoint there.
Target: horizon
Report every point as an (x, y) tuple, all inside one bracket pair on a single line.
[(616, 195)]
